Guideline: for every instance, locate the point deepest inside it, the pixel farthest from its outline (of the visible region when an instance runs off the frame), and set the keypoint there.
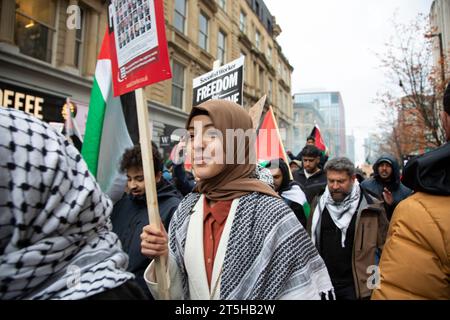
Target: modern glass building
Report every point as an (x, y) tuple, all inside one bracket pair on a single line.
[(331, 108)]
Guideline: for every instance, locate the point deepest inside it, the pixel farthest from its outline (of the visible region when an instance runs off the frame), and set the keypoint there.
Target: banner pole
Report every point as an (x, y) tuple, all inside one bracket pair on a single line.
[(145, 139)]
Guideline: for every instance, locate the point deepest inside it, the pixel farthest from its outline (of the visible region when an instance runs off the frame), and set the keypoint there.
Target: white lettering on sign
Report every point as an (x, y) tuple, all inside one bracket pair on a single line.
[(18, 101), (212, 89), (233, 98), (165, 140), (21, 101)]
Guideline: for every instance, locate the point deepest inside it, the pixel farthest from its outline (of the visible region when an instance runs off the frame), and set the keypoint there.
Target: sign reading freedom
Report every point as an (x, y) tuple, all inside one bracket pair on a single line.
[(225, 83)]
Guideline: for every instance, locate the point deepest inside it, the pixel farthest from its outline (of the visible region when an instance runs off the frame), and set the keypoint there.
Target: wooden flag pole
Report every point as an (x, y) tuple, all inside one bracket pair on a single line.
[(145, 139), (281, 142)]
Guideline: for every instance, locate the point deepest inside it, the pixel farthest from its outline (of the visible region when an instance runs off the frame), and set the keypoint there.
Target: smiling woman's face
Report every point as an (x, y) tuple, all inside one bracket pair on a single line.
[(206, 147)]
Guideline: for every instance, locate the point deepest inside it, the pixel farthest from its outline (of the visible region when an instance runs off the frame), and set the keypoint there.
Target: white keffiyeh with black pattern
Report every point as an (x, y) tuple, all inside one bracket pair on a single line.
[(55, 233), (340, 212), (268, 256)]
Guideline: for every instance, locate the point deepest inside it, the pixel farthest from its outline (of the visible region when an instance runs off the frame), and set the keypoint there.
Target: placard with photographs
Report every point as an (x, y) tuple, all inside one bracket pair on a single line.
[(138, 39)]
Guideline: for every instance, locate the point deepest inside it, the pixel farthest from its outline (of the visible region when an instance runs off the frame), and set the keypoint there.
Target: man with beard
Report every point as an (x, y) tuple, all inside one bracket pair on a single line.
[(386, 185), (130, 213), (349, 229)]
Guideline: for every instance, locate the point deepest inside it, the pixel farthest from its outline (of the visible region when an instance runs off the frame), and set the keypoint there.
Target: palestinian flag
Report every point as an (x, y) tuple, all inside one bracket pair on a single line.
[(296, 194), (268, 143), (320, 144), (107, 135)]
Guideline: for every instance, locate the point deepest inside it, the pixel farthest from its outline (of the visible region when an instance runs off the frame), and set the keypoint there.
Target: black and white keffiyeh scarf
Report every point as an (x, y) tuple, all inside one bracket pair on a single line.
[(55, 232), (269, 254), (340, 212)]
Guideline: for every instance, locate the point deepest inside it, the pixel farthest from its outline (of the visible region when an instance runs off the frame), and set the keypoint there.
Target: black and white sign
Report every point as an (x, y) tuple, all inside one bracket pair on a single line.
[(164, 141), (224, 83), (39, 104)]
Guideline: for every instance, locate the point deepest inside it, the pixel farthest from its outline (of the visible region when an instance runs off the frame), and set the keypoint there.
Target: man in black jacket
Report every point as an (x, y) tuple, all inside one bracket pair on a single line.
[(130, 213), (349, 228), (323, 157), (385, 184), (312, 179), (310, 141)]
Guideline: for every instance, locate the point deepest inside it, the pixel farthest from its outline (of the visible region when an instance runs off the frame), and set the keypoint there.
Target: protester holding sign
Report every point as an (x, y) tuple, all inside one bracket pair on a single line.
[(253, 245)]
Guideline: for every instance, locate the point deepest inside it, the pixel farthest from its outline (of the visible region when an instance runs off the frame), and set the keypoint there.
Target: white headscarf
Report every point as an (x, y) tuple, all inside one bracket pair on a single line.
[(55, 232)]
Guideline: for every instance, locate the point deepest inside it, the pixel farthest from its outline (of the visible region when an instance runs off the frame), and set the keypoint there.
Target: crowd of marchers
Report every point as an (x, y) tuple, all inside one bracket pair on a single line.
[(311, 227)]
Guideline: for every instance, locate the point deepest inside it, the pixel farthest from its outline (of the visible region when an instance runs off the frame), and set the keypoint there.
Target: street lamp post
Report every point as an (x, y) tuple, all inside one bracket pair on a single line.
[(441, 52)]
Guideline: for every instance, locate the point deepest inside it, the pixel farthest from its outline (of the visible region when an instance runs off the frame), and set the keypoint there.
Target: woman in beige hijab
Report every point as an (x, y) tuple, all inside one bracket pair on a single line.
[(233, 238)]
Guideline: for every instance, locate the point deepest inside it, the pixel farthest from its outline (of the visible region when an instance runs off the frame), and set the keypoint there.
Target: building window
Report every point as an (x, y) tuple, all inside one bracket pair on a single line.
[(243, 22), (203, 31), (246, 67), (270, 90), (79, 38), (177, 85), (261, 79), (280, 98), (334, 98), (221, 46), (269, 26), (255, 74), (180, 15), (35, 28), (222, 4), (269, 53), (258, 40)]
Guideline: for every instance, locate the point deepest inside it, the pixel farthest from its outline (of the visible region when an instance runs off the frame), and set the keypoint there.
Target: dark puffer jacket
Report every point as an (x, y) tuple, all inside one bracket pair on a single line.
[(130, 215), (313, 185), (376, 185)]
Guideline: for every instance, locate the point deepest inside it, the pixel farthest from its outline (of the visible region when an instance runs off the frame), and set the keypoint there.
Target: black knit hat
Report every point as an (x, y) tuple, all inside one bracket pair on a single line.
[(447, 99)]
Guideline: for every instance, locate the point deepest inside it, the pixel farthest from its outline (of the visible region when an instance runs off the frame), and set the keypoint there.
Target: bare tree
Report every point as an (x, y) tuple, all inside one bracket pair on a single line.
[(413, 103)]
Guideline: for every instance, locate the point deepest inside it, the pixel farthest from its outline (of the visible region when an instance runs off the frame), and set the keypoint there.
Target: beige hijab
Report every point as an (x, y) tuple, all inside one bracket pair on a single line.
[(235, 180)]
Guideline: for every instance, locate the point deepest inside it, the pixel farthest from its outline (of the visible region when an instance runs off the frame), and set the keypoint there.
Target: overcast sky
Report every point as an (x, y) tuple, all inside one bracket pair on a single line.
[(332, 44)]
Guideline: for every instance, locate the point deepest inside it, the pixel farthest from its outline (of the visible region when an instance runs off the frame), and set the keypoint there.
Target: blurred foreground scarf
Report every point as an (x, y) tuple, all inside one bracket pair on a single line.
[(55, 232)]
